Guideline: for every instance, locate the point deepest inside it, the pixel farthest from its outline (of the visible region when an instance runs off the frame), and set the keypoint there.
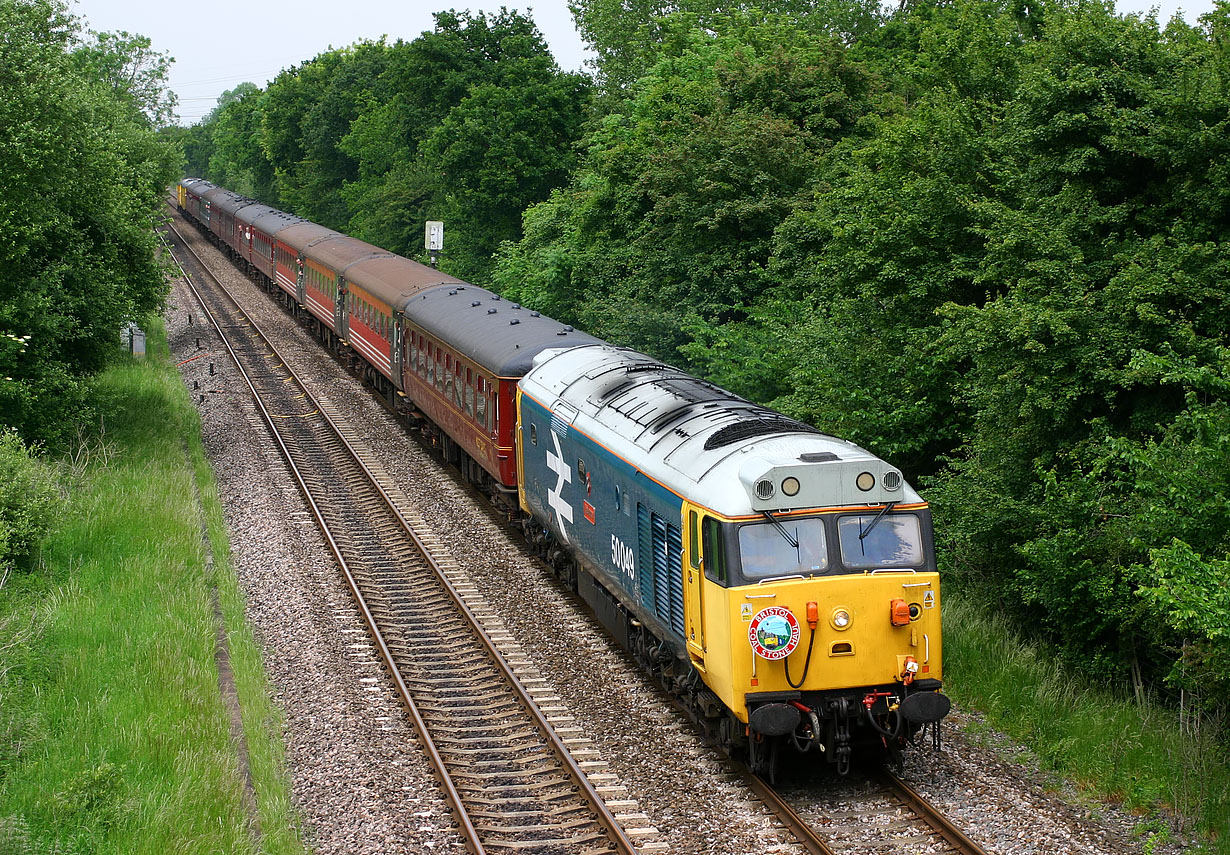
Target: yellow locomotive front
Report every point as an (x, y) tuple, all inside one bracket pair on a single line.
[(779, 580), (815, 619)]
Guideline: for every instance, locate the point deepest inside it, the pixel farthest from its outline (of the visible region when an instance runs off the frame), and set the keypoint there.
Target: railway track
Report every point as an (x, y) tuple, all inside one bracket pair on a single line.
[(454, 666), (872, 812), (509, 777)]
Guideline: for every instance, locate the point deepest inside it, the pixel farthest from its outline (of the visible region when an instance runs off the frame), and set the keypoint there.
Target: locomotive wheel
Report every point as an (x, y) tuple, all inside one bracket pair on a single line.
[(730, 733), (764, 757)]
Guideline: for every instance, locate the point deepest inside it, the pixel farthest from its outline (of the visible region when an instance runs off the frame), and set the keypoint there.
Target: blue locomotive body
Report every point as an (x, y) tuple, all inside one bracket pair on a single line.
[(620, 523)]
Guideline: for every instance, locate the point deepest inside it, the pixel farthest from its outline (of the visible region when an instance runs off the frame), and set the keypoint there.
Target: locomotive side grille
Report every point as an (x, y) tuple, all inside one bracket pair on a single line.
[(662, 590), (755, 427), (644, 528), (674, 569)]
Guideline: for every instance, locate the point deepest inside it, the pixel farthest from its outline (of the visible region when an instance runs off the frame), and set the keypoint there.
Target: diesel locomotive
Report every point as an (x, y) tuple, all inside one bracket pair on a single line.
[(780, 582)]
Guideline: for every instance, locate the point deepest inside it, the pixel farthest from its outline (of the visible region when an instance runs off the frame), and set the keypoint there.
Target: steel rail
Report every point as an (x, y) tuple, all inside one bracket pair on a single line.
[(473, 844), (606, 819), (797, 826), (929, 814)]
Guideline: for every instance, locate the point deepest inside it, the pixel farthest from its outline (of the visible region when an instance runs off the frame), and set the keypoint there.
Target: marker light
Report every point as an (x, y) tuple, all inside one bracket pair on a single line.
[(790, 486), (899, 612), (865, 481)]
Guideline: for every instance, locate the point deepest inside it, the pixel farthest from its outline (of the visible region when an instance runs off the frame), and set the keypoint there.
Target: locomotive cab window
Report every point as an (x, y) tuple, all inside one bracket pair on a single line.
[(783, 547), (894, 541), (694, 539), (715, 551), (534, 441)]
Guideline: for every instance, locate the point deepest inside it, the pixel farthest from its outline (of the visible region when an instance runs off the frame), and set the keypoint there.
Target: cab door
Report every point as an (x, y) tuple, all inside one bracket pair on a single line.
[(693, 575)]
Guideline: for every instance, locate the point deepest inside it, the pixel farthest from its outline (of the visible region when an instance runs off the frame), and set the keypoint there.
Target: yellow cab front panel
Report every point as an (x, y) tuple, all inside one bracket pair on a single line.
[(860, 651)]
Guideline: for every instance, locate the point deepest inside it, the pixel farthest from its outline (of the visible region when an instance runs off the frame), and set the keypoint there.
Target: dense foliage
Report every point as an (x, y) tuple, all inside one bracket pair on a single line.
[(469, 123), (986, 239), (83, 170)]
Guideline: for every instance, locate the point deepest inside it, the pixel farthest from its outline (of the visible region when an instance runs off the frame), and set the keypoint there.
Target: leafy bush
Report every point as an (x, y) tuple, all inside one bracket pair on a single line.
[(30, 499)]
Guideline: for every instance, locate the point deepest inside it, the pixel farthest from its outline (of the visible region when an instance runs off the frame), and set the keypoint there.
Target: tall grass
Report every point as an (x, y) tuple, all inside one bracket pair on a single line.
[(1104, 740), (113, 733)]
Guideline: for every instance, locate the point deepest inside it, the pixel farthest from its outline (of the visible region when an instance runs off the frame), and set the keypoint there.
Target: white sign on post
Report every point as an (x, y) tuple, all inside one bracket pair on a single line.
[(435, 236)]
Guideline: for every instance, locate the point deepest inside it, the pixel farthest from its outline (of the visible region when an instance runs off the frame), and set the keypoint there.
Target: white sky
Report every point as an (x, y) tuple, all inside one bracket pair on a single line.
[(263, 37)]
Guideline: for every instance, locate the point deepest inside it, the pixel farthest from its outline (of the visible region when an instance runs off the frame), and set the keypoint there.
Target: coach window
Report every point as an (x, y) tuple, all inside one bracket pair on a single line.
[(439, 370), (459, 382), (469, 393), (481, 404)]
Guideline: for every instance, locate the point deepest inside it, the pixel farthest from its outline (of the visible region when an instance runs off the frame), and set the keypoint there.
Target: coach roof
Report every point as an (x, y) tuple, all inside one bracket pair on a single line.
[(499, 335), (298, 235), (270, 221), (396, 280), (230, 202)]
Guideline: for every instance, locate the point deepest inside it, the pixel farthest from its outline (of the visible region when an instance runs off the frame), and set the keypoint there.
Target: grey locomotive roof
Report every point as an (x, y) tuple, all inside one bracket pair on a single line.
[(696, 438), (198, 186), (499, 335)]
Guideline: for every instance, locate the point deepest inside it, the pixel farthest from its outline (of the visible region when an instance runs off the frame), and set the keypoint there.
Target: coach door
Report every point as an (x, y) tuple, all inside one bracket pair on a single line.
[(395, 347), (340, 305)]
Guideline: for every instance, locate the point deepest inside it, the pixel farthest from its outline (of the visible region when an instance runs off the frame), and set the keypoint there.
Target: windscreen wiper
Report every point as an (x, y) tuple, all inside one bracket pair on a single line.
[(879, 517), (793, 541)]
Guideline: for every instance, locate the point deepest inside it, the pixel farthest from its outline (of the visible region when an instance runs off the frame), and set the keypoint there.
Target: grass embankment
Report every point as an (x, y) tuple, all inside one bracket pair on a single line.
[(113, 733), (1106, 742)]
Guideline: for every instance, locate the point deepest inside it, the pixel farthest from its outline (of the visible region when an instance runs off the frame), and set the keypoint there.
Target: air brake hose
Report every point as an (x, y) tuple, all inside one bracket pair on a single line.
[(896, 731), (807, 664)]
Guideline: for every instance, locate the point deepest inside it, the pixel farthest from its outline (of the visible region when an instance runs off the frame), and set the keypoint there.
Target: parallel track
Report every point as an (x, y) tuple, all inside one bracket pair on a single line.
[(508, 777)]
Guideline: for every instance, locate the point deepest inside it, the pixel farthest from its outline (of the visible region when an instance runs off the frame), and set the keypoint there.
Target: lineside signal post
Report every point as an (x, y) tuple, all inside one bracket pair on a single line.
[(434, 239)]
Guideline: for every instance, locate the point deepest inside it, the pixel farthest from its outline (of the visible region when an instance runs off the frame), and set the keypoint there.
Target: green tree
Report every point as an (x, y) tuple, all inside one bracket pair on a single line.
[(307, 112), (84, 172), (630, 36), (30, 499), (674, 211), (133, 69), (471, 123), (238, 159)]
